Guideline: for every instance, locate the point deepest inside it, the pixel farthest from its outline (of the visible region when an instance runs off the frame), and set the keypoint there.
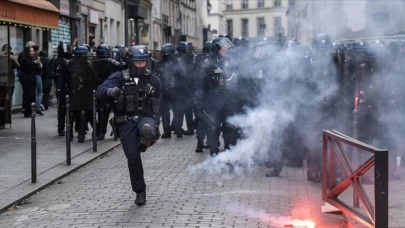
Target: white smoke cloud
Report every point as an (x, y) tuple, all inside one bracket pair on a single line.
[(290, 95)]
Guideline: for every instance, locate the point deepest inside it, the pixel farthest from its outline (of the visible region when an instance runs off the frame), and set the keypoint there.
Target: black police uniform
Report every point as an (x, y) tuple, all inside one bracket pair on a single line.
[(62, 66), (136, 110), (211, 97), (170, 74), (184, 107)]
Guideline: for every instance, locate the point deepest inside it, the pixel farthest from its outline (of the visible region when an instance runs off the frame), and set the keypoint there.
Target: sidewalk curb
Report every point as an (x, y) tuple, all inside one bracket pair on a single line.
[(48, 183)]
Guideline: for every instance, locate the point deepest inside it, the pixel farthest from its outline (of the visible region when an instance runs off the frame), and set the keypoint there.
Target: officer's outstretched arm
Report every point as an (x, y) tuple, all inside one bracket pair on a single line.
[(114, 81)]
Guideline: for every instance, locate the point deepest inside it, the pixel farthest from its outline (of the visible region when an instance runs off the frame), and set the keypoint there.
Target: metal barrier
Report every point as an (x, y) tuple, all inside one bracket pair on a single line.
[(377, 215)]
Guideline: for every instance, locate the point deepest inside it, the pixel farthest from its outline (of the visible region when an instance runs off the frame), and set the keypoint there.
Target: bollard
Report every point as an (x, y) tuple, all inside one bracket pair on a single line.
[(355, 154), (94, 123), (33, 145), (68, 131)]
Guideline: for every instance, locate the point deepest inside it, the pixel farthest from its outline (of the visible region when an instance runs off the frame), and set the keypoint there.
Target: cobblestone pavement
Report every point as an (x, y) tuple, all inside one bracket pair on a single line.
[(99, 195), (15, 153)]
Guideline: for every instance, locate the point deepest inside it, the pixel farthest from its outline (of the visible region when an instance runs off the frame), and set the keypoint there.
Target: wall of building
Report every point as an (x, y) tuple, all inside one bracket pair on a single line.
[(113, 23), (269, 14), (91, 27), (216, 18), (189, 20), (347, 19)]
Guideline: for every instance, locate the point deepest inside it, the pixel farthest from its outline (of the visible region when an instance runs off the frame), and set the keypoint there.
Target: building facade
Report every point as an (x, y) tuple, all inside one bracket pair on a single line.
[(255, 18), (216, 19), (345, 19), (113, 23), (203, 30), (189, 21)]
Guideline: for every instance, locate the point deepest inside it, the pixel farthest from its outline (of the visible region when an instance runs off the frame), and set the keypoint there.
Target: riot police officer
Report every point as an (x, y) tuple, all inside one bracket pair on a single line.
[(210, 97), (324, 71), (82, 83), (137, 93), (184, 107), (62, 68), (104, 65), (170, 76)]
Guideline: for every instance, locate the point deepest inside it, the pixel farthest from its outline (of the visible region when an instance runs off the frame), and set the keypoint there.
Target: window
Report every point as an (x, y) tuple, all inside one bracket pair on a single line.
[(244, 4), (260, 3), (229, 27), (229, 5), (245, 31), (277, 3), (260, 26)]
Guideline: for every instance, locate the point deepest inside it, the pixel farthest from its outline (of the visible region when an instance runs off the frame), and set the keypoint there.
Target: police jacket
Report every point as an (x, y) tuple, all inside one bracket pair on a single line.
[(210, 80), (62, 69), (141, 94), (171, 74)]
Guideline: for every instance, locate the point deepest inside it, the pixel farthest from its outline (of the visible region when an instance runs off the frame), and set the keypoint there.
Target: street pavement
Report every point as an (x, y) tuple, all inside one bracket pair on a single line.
[(99, 195), (15, 155)]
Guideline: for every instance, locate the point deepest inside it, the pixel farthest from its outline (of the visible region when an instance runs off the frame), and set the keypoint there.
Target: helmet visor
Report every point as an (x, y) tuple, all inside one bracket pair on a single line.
[(225, 43)]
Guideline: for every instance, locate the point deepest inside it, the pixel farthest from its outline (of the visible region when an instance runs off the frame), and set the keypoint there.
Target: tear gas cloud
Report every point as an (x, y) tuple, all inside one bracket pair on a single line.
[(291, 96)]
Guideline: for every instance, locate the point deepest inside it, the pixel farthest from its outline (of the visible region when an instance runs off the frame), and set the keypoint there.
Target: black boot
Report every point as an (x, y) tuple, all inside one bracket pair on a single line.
[(61, 132), (100, 137), (189, 132), (274, 173), (313, 176), (199, 148), (140, 199), (214, 152), (179, 134), (166, 135), (145, 137)]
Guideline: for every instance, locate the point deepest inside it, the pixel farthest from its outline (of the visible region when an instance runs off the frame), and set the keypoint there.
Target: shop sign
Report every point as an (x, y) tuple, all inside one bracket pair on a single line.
[(64, 7)]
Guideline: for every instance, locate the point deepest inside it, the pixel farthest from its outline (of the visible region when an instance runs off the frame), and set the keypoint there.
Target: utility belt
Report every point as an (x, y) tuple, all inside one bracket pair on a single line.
[(117, 121), (120, 120)]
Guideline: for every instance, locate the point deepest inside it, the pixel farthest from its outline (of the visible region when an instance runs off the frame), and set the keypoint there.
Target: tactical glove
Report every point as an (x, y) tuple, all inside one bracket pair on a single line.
[(114, 92)]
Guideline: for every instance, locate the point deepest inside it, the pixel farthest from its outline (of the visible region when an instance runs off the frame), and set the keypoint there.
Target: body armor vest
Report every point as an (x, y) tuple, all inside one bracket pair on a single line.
[(130, 102), (216, 81), (136, 100)]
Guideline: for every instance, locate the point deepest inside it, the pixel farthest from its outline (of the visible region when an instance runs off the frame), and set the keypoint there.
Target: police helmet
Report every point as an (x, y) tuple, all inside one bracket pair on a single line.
[(115, 53), (87, 46), (303, 51), (207, 47), (240, 41), (322, 41), (221, 42), (81, 50), (185, 47), (65, 49), (290, 44), (168, 49), (103, 50), (139, 53), (119, 46), (397, 49), (225, 35)]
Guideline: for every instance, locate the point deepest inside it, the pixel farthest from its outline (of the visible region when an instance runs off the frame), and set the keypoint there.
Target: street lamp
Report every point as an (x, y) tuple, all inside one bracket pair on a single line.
[(209, 6)]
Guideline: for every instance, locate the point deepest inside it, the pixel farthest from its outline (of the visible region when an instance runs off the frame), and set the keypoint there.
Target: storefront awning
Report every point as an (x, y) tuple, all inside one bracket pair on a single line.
[(38, 13)]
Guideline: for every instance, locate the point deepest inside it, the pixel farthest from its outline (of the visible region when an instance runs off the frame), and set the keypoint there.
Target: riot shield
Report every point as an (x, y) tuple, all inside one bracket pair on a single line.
[(82, 84), (101, 69)]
